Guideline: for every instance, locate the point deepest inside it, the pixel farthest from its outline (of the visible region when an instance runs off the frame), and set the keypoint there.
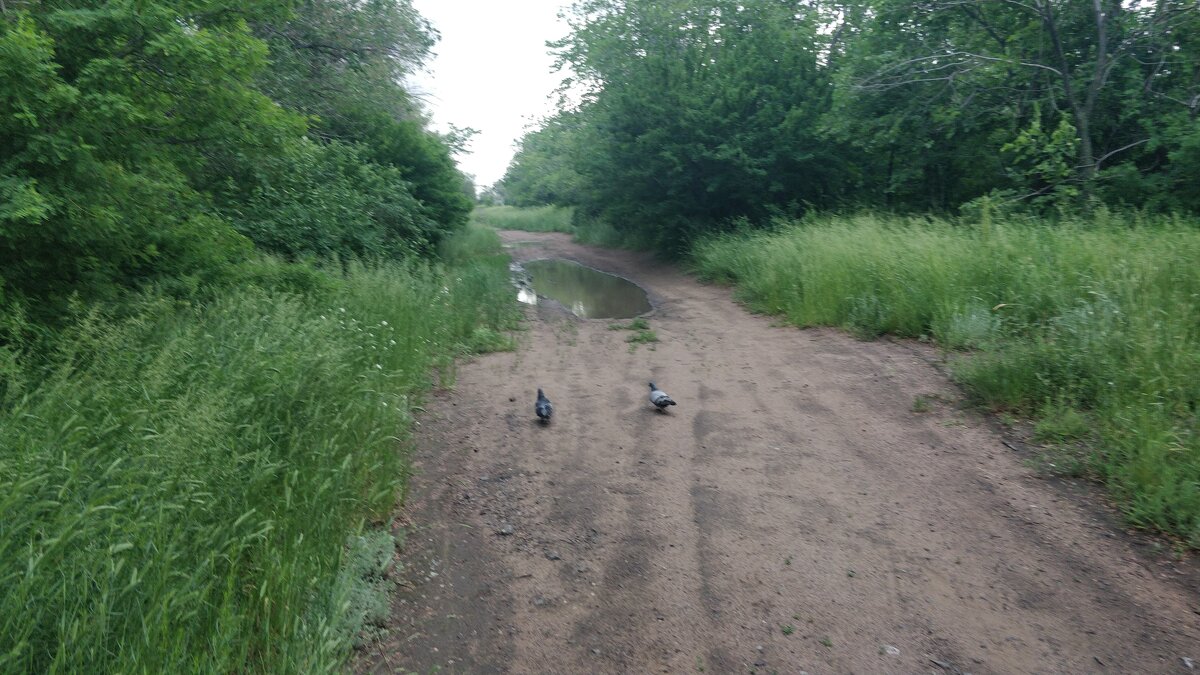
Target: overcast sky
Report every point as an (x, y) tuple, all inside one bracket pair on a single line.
[(491, 72)]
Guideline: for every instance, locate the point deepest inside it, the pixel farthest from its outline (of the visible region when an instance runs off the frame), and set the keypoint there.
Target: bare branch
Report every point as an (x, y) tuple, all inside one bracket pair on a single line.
[(1120, 149)]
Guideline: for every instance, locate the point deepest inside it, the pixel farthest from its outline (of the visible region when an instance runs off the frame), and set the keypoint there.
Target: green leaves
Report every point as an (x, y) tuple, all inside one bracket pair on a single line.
[(137, 139), (698, 112), (695, 113)]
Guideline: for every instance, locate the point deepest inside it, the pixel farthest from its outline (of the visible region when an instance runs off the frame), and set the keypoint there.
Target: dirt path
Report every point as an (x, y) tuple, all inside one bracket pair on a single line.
[(793, 485)]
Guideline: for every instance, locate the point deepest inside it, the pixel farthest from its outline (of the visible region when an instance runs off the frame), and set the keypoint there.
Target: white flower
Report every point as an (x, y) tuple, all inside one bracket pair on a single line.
[(382, 323), (378, 367), (391, 342), (383, 403), (342, 310)]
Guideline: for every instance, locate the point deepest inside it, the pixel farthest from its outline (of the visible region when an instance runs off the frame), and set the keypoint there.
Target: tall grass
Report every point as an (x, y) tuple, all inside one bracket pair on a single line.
[(183, 489), (530, 219), (1090, 326)]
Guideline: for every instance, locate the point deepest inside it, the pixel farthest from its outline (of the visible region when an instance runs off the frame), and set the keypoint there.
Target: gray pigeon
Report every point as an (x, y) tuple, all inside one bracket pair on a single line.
[(543, 408), (659, 398)]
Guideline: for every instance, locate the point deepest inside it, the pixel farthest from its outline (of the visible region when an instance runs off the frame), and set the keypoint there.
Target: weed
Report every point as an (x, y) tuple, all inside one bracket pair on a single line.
[(642, 337), (1059, 423), (530, 219), (186, 488), (639, 324), (788, 629), (921, 404), (827, 642)]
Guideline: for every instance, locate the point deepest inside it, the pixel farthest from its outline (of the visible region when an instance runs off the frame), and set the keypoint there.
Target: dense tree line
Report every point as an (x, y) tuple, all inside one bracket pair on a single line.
[(690, 114), (145, 141)]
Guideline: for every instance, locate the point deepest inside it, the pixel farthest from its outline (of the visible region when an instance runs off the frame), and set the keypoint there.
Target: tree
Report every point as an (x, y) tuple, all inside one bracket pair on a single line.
[(1101, 65), (695, 113)]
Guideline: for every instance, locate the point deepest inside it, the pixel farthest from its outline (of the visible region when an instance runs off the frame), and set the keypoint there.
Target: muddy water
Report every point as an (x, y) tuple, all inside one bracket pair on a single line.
[(587, 293)]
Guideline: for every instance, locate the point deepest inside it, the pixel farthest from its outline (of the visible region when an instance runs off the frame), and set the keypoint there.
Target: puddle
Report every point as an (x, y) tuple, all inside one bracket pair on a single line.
[(587, 293)]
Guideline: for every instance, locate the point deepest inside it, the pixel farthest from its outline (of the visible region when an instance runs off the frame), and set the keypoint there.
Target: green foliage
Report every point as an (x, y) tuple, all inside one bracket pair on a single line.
[(543, 171), (530, 219), (140, 141), (93, 201), (192, 435), (178, 484), (1095, 316), (697, 113), (328, 199), (1046, 161), (688, 116)]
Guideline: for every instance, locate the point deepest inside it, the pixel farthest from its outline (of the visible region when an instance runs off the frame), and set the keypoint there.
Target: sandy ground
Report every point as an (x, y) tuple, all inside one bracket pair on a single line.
[(792, 514)]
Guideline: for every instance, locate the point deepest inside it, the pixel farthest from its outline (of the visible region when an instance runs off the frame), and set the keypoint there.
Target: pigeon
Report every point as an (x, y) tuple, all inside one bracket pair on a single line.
[(543, 408), (659, 398)]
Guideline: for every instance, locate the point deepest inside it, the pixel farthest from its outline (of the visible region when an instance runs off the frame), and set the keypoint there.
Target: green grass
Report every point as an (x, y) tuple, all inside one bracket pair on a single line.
[(530, 219), (639, 324), (190, 487), (642, 335), (1084, 325)]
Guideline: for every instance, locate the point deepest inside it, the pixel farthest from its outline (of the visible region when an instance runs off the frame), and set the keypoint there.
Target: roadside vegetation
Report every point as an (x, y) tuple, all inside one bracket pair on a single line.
[(1088, 326), (232, 258), (531, 219), (185, 485)]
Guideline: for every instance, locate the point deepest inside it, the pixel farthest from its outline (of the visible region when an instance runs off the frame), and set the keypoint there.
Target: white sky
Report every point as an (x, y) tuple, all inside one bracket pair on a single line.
[(491, 72)]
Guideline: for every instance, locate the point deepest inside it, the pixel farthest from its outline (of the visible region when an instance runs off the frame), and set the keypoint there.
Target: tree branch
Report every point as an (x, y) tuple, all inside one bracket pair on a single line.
[(1120, 149)]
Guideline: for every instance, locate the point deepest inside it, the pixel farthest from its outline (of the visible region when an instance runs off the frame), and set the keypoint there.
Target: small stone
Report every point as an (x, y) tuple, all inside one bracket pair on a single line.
[(596, 652), (760, 664), (1188, 663), (540, 601), (553, 555), (505, 530), (581, 568), (891, 651)]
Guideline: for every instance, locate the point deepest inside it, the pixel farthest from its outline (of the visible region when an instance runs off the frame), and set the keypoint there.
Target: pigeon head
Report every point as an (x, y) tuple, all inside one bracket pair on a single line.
[(652, 386)]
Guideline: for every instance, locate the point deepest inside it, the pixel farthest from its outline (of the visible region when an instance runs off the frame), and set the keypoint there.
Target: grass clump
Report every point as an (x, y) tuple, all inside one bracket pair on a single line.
[(639, 324), (1098, 316), (642, 335), (188, 486), (529, 219)]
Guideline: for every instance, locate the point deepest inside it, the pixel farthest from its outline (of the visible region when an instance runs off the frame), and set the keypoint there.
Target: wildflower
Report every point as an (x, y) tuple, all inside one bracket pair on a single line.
[(383, 323), (378, 367), (391, 342), (342, 310)]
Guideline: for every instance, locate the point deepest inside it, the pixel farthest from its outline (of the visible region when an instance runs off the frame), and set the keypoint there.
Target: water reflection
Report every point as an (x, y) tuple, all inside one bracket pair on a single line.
[(588, 293)]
